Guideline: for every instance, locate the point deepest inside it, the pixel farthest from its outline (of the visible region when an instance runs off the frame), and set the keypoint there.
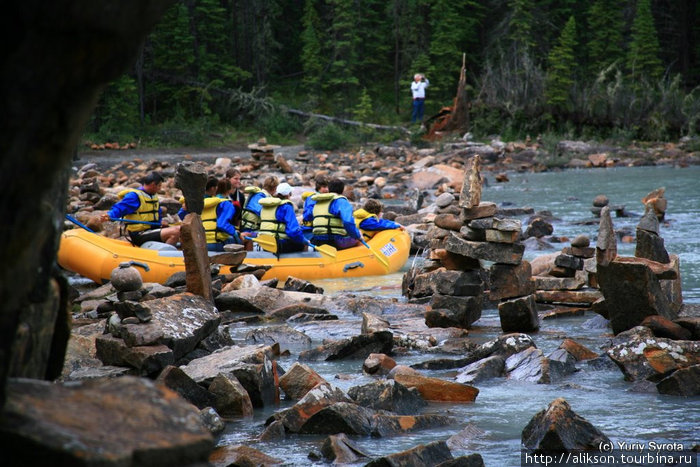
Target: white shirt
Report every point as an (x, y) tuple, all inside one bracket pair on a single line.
[(418, 88)]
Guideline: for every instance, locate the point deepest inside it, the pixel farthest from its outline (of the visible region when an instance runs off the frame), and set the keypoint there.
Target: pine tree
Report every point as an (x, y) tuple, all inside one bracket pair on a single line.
[(342, 81), (561, 66), (311, 54), (521, 23), (171, 56), (643, 55), (455, 31), (605, 25)]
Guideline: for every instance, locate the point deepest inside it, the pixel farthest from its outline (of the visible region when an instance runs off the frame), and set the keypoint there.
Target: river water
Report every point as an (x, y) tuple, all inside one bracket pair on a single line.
[(495, 421)]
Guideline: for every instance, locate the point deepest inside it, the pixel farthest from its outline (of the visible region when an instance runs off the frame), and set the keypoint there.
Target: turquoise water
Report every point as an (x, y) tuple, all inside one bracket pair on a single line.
[(503, 408)]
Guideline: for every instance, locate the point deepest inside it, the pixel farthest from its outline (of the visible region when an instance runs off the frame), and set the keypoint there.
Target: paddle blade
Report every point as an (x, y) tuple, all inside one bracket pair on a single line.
[(327, 250), (377, 255), (267, 242)]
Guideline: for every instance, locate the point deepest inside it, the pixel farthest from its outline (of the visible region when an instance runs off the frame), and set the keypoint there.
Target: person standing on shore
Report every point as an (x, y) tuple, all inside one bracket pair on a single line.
[(418, 86)]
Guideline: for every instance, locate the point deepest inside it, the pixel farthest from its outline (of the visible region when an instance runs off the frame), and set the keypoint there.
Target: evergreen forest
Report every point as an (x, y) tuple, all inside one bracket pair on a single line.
[(221, 71)]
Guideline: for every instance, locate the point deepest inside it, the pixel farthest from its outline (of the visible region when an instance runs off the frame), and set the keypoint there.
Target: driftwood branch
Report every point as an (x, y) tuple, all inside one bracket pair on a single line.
[(343, 121)]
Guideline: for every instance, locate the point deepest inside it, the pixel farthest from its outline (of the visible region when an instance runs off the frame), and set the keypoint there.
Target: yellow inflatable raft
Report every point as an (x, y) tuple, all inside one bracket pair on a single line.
[(94, 256)]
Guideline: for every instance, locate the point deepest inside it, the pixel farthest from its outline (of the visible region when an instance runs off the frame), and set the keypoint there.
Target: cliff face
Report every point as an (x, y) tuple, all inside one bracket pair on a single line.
[(56, 59)]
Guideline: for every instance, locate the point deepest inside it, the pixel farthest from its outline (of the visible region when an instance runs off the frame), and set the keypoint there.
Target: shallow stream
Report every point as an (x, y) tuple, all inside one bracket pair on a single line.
[(494, 422)]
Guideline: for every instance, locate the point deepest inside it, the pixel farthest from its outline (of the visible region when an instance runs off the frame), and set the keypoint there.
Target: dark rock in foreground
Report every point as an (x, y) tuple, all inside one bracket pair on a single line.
[(560, 429), (123, 421)]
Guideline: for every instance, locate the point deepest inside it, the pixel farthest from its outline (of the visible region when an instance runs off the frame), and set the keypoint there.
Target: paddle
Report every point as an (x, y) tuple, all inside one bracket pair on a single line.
[(78, 223), (381, 259), (327, 250), (267, 242), (129, 221)]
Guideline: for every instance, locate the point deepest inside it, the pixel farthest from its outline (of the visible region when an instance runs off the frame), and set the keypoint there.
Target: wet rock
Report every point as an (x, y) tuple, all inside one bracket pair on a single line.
[(265, 299), (281, 334), (274, 431), (470, 192), (519, 314), (340, 449), (323, 395), (101, 422), (481, 370), (496, 252), (177, 380), (372, 323), (529, 365), (451, 311), (126, 278), (569, 261), (387, 395), (632, 292), (444, 200), (147, 359), (355, 347), (286, 312), (561, 364), (651, 246), (577, 350), (482, 210), (353, 419), (424, 454), (299, 285), (682, 382), (606, 245), (663, 327), (231, 399), (453, 261), (402, 370), (560, 429), (240, 455), (299, 380), (600, 201), (141, 334), (640, 355), (212, 420), (692, 324), (538, 228), (581, 241), (508, 280), (378, 364), (447, 282), (448, 222), (244, 281), (436, 389), (585, 297)]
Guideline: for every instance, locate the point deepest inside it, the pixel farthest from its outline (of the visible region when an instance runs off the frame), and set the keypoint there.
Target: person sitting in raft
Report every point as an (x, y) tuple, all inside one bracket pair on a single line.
[(217, 218), (309, 203), (250, 218), (237, 195), (142, 208), (369, 219), (277, 218), (333, 223)]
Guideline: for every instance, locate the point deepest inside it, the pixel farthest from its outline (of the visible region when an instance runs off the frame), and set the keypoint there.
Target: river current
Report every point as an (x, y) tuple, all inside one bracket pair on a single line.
[(494, 422)]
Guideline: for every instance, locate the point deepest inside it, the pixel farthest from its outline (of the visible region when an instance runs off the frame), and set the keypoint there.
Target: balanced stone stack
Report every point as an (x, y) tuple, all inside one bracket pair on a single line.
[(148, 335), (453, 281), (632, 286), (263, 152), (571, 281), (601, 201)]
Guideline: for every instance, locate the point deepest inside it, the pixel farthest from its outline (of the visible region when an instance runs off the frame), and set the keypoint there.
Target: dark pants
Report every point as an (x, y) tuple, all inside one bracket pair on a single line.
[(139, 238), (286, 245), (339, 242), (418, 109)]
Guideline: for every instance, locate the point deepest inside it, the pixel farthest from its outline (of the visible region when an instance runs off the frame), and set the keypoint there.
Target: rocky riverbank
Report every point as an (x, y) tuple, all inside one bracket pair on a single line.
[(135, 346)]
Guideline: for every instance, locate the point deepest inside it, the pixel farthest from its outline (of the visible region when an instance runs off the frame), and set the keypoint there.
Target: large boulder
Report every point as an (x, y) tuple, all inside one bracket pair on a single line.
[(387, 395), (632, 292), (101, 422), (560, 429)]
